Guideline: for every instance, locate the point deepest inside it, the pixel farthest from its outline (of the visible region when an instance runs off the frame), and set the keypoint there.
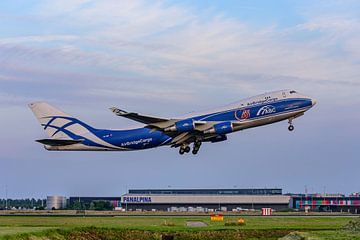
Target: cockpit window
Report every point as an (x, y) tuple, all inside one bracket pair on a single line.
[(291, 92)]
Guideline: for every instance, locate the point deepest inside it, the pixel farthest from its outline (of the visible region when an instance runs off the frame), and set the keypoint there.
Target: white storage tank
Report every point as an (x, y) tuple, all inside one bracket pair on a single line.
[(55, 202)]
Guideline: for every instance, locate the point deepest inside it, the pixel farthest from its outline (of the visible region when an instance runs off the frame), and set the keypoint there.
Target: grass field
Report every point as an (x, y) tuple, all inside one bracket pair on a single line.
[(133, 227)]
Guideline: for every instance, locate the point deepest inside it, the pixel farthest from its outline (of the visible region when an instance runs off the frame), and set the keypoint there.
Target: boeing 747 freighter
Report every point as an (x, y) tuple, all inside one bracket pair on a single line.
[(66, 133)]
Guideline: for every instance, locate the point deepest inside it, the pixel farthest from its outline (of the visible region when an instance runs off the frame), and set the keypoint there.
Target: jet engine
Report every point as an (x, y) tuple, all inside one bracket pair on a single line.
[(186, 125), (221, 128)]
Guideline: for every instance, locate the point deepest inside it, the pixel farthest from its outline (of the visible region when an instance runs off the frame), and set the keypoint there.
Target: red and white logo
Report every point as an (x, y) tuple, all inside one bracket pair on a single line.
[(245, 114)]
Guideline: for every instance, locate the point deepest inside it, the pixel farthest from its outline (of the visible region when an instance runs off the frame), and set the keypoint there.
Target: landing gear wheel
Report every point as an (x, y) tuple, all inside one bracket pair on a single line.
[(184, 149), (181, 151), (291, 126), (196, 148)]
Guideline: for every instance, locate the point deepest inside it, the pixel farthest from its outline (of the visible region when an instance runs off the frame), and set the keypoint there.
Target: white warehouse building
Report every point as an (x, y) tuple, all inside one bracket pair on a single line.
[(204, 199)]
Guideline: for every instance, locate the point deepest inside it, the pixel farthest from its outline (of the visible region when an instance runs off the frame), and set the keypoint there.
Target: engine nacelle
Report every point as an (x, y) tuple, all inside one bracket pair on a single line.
[(221, 128), (186, 125)]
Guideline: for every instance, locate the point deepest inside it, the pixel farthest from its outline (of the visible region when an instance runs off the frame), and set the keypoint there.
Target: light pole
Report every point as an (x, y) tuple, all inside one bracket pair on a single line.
[(126, 192), (219, 196), (252, 198), (6, 198)]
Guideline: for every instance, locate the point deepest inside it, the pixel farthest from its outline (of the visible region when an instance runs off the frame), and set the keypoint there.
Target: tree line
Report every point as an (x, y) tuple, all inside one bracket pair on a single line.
[(28, 203), (40, 204)]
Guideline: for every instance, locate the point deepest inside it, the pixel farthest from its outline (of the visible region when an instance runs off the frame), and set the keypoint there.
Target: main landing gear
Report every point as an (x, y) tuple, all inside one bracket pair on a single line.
[(186, 148), (197, 145), (291, 126)]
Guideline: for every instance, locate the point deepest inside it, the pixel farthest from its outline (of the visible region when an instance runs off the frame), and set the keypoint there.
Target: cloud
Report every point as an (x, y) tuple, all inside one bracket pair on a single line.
[(7, 78), (167, 44), (164, 58), (160, 95), (38, 39)]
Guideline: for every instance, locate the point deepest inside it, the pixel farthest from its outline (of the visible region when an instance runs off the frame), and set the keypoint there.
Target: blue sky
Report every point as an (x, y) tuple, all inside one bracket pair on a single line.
[(168, 58)]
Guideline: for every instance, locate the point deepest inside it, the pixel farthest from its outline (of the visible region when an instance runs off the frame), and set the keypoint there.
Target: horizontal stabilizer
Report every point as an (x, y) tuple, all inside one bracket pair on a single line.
[(58, 142)]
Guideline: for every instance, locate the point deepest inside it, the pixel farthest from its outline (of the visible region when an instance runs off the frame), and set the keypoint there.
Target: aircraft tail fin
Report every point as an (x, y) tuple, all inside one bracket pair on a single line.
[(57, 124)]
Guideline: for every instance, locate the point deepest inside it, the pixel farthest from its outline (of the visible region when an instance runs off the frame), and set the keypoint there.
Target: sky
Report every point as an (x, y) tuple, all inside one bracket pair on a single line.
[(168, 58)]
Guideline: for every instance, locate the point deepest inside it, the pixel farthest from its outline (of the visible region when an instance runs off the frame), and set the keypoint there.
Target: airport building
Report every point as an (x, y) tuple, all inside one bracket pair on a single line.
[(326, 202), (203, 200), (208, 200)]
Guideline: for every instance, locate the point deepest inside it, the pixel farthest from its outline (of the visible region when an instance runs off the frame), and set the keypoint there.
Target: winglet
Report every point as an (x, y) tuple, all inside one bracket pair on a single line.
[(118, 111)]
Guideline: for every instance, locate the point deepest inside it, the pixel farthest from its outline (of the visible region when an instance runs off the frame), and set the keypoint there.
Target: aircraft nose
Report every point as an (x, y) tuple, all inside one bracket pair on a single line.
[(313, 101)]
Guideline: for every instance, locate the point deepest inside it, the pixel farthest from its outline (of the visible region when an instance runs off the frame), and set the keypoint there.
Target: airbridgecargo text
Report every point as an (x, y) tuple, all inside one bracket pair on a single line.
[(136, 142), (137, 199)]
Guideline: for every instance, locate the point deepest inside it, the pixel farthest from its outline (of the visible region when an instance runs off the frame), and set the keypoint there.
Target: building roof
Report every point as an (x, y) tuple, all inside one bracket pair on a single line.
[(228, 191)]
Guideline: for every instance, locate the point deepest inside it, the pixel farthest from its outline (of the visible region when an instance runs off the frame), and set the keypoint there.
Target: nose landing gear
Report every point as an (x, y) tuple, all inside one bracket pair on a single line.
[(291, 126)]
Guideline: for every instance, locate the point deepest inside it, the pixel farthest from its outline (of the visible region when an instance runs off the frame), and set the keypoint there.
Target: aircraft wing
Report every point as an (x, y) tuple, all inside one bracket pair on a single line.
[(157, 122), (167, 125), (146, 119)]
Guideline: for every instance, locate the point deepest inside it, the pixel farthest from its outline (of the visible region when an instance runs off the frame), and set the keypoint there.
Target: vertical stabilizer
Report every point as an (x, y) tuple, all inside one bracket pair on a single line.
[(57, 124)]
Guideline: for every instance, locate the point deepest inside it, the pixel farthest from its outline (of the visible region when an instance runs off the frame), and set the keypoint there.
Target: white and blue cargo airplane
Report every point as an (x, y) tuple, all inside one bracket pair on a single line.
[(67, 133)]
